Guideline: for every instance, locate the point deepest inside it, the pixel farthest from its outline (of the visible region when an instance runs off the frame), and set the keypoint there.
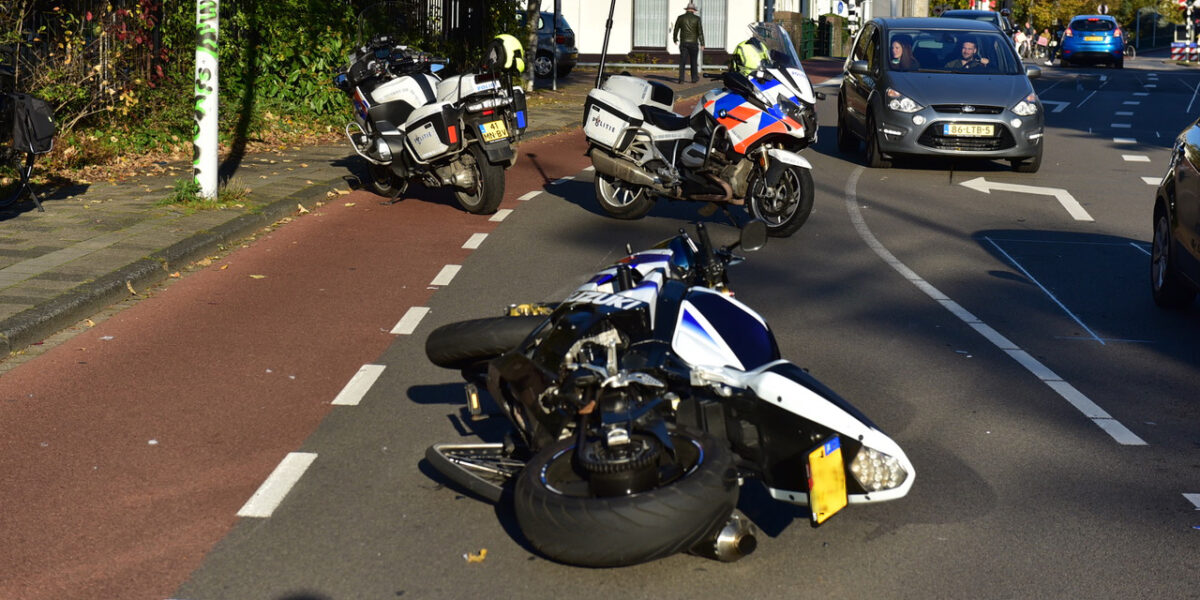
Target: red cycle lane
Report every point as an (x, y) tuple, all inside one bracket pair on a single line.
[(128, 449)]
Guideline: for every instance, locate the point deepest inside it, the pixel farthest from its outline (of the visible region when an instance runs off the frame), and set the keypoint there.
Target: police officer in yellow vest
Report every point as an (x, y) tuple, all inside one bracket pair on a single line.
[(746, 57), (689, 34)]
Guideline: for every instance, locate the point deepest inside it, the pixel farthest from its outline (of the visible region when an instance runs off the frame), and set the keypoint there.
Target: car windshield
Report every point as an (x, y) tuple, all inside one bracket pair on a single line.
[(950, 51), (1093, 25)]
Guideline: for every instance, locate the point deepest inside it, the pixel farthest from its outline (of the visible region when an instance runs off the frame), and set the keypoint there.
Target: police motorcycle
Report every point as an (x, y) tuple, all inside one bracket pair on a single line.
[(739, 146), (642, 402), (413, 126)]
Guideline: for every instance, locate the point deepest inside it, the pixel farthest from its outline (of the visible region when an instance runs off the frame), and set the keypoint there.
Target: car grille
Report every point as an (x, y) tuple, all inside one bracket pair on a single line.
[(975, 109), (932, 137)]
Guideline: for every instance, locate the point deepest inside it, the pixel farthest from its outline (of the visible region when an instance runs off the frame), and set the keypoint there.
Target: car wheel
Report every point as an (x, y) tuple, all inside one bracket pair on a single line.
[(1028, 165), (846, 141), (876, 159), (1166, 285), (543, 64)]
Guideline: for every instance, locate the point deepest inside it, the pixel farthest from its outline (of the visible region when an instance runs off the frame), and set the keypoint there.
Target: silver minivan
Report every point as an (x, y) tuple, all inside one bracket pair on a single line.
[(939, 87)]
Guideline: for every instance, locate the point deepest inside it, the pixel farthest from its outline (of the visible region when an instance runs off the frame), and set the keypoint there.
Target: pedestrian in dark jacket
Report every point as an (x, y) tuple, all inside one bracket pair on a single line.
[(689, 34)]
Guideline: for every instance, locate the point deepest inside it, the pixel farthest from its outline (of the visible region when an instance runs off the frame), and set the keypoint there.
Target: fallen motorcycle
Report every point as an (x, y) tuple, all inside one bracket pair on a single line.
[(412, 126), (642, 402), (740, 146)]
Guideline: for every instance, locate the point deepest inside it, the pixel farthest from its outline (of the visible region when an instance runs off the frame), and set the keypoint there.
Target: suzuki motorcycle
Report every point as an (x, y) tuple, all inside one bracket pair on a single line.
[(739, 146), (642, 402), (412, 126)]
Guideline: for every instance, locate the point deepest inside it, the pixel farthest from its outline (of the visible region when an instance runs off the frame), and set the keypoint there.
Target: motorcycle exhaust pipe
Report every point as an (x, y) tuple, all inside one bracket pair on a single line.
[(736, 539), (624, 170)]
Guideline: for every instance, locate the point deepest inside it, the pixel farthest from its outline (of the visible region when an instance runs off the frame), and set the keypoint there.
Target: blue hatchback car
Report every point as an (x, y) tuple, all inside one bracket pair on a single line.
[(1093, 39)]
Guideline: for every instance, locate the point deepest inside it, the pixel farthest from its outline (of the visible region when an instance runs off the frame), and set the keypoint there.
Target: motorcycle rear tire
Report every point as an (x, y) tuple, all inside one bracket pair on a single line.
[(462, 344), (489, 184), (620, 199), (384, 182), (624, 530)]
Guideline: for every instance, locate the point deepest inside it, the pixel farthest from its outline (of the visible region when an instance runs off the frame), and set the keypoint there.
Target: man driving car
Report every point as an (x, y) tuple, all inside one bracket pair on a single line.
[(968, 59)]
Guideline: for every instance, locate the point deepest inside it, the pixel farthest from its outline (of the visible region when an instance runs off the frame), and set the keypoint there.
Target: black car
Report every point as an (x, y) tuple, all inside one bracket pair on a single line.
[(999, 20), (1175, 256), (553, 41)]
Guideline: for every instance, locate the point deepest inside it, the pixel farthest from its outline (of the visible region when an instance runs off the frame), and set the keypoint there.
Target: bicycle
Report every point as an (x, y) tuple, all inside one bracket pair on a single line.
[(1130, 51)]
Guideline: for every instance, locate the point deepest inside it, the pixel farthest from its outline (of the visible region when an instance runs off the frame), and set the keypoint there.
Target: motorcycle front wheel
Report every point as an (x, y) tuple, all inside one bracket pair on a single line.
[(620, 199), (785, 207), (559, 513), (485, 197)]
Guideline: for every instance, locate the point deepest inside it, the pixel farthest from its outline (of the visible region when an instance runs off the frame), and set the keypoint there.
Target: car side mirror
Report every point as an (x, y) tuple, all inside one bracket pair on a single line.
[(859, 67), (1033, 71)]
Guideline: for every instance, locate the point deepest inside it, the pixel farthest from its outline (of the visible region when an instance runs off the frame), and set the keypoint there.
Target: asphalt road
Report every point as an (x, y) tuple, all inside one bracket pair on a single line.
[(1007, 343)]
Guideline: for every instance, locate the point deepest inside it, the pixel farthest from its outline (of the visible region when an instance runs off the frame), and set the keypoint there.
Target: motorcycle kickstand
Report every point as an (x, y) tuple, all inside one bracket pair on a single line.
[(396, 197)]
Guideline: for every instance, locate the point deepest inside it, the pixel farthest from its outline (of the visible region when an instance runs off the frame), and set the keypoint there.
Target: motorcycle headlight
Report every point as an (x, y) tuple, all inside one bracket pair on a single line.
[(1027, 107), (877, 471), (790, 108), (901, 103)]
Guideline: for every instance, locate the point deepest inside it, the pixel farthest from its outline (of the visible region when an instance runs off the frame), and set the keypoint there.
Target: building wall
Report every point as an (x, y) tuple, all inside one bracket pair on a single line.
[(587, 19)]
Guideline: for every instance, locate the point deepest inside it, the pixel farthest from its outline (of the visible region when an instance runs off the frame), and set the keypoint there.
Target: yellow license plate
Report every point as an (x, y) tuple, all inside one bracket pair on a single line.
[(826, 480), (1093, 38), (966, 130), (495, 130)]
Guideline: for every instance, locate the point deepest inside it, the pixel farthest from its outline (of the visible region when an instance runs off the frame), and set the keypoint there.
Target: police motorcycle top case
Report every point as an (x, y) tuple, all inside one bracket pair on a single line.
[(739, 146)]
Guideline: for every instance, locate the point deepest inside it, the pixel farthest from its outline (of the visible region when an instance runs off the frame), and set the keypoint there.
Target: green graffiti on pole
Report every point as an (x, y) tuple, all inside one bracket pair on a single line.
[(204, 145)]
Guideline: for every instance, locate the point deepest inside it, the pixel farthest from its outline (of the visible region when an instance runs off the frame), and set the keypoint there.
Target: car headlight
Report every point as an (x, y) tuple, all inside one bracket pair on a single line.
[(1027, 107), (901, 103), (877, 471)]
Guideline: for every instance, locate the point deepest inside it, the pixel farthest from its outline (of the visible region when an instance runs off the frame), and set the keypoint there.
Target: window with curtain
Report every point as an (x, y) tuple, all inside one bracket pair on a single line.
[(713, 14), (651, 28)]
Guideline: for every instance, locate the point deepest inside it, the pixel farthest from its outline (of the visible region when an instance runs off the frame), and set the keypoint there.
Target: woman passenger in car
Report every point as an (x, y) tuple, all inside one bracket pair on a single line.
[(902, 55)]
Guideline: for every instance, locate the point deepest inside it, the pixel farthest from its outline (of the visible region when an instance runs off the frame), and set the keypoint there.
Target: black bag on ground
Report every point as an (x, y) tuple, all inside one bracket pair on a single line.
[(33, 124)]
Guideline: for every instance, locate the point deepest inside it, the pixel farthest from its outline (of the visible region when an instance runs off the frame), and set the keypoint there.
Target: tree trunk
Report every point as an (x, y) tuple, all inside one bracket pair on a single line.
[(532, 9)]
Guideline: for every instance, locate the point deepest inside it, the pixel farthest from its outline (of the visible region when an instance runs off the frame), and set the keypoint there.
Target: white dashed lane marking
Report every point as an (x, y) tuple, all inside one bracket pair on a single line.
[(1124, 141), (529, 195), (501, 215), (358, 386), (474, 241), (446, 275), (1135, 158), (411, 319), (1152, 180), (272, 492)]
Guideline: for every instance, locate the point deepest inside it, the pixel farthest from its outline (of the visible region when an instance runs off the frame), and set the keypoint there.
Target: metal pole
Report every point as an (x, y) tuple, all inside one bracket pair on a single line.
[(554, 55), (769, 11), (204, 146), (604, 50)]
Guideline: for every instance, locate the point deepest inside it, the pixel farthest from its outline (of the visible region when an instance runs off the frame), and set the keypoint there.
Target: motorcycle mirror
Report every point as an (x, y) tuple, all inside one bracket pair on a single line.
[(754, 235)]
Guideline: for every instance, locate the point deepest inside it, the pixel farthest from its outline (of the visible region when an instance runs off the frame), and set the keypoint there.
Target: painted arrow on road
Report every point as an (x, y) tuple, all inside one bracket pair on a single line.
[(1064, 197), (1058, 106)]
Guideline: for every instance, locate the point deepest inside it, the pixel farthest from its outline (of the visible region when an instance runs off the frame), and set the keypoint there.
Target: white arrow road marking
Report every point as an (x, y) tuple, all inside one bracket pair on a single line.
[(1194, 499), (264, 502), (1058, 106), (1064, 197)]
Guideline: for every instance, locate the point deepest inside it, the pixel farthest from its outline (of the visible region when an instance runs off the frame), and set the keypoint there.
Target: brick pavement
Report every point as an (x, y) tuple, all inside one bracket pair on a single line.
[(101, 243)]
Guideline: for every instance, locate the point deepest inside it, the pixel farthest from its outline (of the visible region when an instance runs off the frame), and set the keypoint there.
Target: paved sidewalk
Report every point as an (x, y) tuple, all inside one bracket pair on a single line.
[(99, 243)]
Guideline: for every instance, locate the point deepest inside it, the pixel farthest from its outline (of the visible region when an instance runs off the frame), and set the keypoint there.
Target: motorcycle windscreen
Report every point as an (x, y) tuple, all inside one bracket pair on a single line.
[(715, 330)]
